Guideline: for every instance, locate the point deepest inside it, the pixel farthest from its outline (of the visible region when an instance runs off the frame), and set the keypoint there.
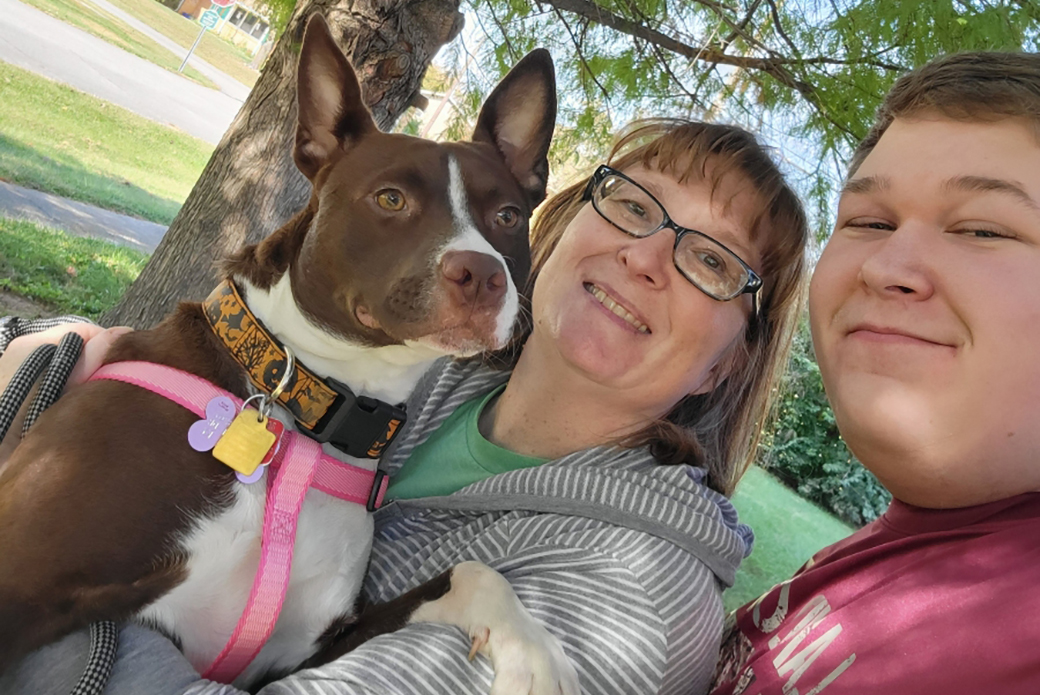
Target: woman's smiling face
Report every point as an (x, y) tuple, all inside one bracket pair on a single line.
[(615, 308)]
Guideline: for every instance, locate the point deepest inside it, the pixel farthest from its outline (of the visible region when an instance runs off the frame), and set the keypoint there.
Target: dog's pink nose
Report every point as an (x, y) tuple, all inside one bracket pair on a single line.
[(474, 278)]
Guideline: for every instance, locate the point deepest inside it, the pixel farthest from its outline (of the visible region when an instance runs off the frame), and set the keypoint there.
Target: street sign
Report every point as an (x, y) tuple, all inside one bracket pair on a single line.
[(209, 19), (223, 3)]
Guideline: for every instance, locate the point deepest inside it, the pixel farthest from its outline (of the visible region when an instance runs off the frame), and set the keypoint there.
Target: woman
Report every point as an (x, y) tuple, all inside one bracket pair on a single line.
[(593, 475)]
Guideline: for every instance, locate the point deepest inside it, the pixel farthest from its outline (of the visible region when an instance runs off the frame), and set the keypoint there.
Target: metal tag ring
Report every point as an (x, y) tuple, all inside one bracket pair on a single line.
[(290, 367), (263, 409)]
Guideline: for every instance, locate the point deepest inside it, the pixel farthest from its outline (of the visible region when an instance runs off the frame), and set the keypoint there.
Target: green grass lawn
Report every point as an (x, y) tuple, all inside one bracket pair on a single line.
[(55, 139), (788, 530), (92, 20), (220, 53), (66, 274)]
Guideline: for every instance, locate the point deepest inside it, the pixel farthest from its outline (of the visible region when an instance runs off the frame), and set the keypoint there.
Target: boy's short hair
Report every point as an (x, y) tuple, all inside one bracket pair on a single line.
[(981, 86)]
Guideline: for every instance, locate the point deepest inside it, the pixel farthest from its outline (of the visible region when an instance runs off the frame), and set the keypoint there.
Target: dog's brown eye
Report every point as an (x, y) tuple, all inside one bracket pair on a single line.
[(390, 199), (508, 217)]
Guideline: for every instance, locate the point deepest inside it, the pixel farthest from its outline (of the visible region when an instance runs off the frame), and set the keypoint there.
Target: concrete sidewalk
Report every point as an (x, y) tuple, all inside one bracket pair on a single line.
[(78, 218)]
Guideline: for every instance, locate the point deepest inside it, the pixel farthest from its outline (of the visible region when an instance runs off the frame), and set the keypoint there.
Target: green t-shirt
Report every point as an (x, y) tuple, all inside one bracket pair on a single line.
[(456, 455)]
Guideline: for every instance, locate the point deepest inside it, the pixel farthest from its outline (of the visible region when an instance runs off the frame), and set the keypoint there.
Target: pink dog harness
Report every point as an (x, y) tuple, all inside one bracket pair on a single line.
[(298, 465)]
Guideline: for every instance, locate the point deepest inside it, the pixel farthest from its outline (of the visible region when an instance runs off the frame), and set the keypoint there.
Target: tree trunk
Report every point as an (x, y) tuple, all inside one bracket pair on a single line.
[(251, 186)]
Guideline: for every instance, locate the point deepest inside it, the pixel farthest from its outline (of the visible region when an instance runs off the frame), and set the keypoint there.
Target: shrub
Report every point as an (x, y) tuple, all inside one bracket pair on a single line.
[(806, 452)]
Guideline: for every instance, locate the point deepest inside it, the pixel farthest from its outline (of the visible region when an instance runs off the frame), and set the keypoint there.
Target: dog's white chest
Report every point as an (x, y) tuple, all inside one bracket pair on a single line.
[(333, 540)]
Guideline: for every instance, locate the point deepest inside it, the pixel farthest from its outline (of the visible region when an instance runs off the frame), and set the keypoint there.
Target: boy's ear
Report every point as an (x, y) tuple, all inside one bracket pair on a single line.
[(518, 119), (331, 112)]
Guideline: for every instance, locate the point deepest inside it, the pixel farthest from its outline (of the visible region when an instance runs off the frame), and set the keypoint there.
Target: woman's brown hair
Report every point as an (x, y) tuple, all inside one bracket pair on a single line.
[(719, 430)]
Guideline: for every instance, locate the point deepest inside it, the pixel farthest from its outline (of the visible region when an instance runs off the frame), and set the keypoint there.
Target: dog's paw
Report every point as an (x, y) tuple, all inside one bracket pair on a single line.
[(527, 658)]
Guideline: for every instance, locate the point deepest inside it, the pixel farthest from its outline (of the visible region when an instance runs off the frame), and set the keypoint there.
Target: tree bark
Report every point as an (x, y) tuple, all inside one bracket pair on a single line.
[(251, 186)]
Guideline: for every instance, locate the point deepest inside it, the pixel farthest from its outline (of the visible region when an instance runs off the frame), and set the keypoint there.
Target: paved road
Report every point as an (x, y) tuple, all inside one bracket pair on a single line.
[(36, 41), (78, 218), (228, 85)]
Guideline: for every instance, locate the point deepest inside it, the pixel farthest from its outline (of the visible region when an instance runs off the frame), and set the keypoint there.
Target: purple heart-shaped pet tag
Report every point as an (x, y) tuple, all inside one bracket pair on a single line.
[(204, 434)]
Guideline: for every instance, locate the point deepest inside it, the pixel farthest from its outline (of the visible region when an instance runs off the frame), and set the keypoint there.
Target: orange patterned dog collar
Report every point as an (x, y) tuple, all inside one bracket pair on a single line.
[(306, 397), (326, 410)]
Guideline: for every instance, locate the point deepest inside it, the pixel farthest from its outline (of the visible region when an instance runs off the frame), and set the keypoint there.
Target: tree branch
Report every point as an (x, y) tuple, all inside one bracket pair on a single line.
[(738, 28), (773, 66), (513, 53), (581, 54), (741, 28), (663, 60), (590, 10), (780, 29)]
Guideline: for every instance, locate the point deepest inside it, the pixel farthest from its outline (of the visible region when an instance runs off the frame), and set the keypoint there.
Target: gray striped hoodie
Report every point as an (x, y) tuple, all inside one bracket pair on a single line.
[(623, 559)]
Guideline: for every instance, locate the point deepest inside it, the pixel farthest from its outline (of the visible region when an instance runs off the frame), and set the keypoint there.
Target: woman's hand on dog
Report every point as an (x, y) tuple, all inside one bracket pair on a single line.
[(97, 341)]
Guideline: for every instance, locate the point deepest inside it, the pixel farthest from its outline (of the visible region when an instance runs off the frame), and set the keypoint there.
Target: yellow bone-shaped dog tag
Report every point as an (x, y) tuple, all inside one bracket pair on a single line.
[(245, 442)]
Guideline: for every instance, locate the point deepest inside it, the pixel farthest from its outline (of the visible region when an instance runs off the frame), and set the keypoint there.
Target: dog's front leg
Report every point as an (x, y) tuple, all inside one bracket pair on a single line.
[(349, 632), (527, 659)]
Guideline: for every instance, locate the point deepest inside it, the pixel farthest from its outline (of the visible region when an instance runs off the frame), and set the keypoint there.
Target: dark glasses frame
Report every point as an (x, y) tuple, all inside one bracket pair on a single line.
[(751, 286)]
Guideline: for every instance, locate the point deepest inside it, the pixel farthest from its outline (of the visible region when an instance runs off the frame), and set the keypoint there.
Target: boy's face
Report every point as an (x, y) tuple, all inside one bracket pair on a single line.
[(925, 310)]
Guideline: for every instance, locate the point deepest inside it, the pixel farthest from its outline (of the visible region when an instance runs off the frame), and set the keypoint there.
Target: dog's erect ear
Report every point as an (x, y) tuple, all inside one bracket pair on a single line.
[(331, 111), (518, 119)]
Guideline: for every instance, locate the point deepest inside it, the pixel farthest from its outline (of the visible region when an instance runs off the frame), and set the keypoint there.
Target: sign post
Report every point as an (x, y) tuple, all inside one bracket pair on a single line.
[(208, 20)]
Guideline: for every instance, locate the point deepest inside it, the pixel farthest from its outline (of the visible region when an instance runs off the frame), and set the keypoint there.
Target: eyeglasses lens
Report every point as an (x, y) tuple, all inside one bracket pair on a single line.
[(627, 206), (711, 267)]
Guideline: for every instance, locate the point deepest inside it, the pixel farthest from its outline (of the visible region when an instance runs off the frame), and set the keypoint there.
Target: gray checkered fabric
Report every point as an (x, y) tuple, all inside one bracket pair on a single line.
[(12, 327), (55, 363), (104, 641), (21, 384), (53, 382)]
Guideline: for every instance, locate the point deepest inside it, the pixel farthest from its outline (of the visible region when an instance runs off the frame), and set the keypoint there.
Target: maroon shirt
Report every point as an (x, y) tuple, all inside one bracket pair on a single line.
[(919, 602)]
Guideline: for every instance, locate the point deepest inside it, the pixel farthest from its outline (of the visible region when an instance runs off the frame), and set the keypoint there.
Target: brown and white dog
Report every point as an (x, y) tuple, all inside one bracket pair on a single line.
[(407, 251)]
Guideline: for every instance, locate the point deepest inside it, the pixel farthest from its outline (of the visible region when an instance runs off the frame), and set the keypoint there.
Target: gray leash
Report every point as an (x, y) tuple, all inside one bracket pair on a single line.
[(56, 363)]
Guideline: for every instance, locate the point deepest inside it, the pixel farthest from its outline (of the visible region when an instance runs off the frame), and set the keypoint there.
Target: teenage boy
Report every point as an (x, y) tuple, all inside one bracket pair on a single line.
[(925, 311)]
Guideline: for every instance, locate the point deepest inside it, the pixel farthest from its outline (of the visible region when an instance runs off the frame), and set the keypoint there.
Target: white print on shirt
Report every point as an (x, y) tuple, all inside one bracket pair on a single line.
[(794, 659)]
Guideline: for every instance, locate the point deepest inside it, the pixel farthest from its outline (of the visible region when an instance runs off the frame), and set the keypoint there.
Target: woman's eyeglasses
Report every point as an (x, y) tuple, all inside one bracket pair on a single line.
[(708, 265)]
